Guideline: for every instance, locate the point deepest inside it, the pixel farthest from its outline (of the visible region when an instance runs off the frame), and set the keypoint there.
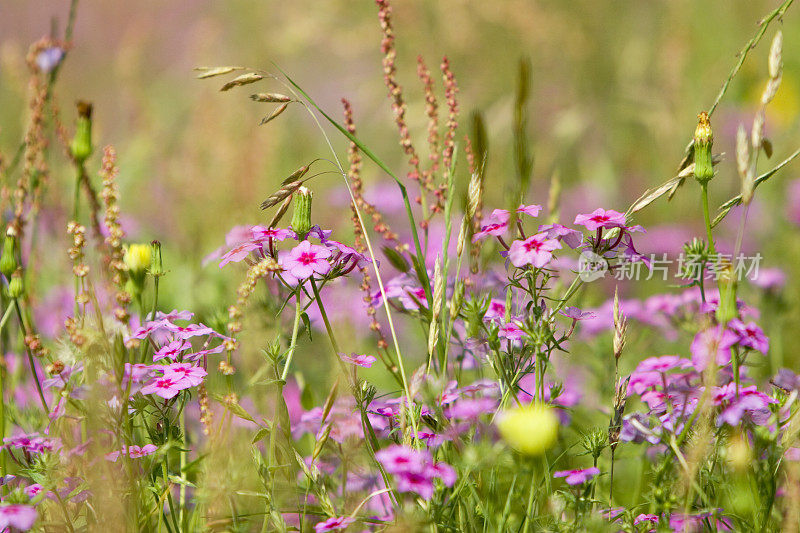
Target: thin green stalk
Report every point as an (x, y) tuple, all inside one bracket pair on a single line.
[(6, 316), (295, 328), (707, 218), (30, 357)]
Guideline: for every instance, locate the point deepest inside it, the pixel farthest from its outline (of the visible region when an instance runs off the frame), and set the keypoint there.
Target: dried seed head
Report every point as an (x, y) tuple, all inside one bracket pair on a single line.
[(244, 79), (620, 327), (270, 97), (743, 165), (775, 53)]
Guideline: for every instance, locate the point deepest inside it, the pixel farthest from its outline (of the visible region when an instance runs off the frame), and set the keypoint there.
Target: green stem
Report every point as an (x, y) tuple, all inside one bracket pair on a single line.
[(707, 218), (6, 316), (30, 357), (295, 328)]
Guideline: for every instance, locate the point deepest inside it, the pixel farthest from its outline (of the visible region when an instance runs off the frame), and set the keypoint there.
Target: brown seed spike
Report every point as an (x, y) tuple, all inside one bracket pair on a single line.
[(244, 79)]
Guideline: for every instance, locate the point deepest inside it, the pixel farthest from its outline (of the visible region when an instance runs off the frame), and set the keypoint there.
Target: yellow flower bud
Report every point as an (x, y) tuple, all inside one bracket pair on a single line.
[(530, 430), (137, 258)]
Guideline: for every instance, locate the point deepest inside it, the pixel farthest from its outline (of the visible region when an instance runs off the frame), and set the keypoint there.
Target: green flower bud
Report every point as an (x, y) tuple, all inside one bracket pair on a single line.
[(301, 217), (703, 140), (726, 311), (16, 288), (8, 261), (156, 267), (81, 147)]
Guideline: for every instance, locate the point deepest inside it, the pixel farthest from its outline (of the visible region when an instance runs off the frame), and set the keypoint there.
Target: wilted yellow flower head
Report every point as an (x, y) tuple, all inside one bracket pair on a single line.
[(137, 257), (531, 429)]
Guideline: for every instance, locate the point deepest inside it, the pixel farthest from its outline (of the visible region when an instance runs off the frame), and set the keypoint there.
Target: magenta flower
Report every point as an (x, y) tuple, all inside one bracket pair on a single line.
[(536, 250), (600, 218), (358, 359), (17, 516), (496, 310), (510, 331), (172, 350), (334, 524), (166, 387), (33, 490), (577, 477), (185, 374), (414, 470), (306, 259), (652, 518), (750, 335), (134, 452)]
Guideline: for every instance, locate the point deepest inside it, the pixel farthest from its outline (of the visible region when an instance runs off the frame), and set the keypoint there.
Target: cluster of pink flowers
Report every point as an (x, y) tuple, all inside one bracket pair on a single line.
[(414, 470), (298, 263), (134, 452)]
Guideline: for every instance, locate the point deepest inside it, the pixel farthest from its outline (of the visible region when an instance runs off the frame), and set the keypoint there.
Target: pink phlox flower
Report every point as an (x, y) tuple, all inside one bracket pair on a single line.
[(263, 233), (17, 516), (319, 233), (497, 224), (510, 331), (496, 310), (713, 343), (577, 477), (570, 237), (239, 253), (750, 335), (471, 408), (187, 332), (32, 443), (334, 524), (359, 359), (183, 373), (536, 250), (653, 518), (576, 314), (166, 387), (530, 210), (172, 350), (206, 351), (600, 218), (305, 260), (61, 379)]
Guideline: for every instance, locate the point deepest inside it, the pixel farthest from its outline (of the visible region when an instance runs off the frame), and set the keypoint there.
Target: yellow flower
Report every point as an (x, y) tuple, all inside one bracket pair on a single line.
[(531, 429), (137, 257)]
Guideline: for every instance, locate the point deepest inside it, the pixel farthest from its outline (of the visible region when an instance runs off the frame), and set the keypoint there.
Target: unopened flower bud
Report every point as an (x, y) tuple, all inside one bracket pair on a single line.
[(703, 140), (81, 147), (301, 217), (156, 267), (16, 288), (8, 261)]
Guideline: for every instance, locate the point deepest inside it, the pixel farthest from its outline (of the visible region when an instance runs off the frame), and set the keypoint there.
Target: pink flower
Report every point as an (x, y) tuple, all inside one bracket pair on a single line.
[(334, 524), (166, 387), (135, 452), (33, 490), (510, 331), (750, 335), (570, 237), (262, 233), (713, 343), (359, 359), (536, 250), (185, 374), (496, 310), (577, 477), (306, 259), (238, 253), (17, 516), (172, 350), (600, 218), (653, 518), (576, 314)]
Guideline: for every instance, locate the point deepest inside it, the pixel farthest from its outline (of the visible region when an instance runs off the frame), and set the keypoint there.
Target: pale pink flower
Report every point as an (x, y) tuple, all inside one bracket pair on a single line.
[(359, 359), (600, 218), (185, 373), (17, 516)]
